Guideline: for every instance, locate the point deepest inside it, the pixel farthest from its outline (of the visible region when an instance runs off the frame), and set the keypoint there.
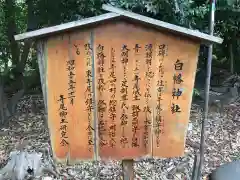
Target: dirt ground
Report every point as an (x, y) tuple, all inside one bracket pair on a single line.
[(223, 145)]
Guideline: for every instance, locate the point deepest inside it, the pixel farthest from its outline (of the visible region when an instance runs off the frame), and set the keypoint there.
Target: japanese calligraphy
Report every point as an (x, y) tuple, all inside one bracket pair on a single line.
[(148, 76), (161, 69), (177, 78), (136, 97), (137, 48), (113, 102), (124, 95), (136, 79), (162, 52), (178, 65), (136, 88), (89, 95), (100, 68), (71, 81), (177, 91), (77, 49), (135, 125), (102, 105), (63, 123), (124, 91), (175, 108)]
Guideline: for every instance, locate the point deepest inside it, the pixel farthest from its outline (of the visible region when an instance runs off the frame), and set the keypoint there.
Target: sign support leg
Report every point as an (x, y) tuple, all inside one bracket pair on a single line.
[(207, 88), (128, 170)]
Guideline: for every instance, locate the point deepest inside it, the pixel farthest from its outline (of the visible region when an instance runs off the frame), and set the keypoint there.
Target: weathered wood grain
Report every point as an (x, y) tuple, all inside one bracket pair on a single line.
[(109, 39)]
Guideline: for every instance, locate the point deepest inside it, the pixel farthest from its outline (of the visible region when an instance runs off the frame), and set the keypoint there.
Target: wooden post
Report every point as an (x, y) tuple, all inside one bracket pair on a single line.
[(128, 169), (196, 167), (207, 88)]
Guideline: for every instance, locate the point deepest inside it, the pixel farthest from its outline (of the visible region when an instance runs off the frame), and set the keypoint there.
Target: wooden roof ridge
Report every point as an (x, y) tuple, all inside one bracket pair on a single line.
[(164, 25), (65, 26), (117, 12)]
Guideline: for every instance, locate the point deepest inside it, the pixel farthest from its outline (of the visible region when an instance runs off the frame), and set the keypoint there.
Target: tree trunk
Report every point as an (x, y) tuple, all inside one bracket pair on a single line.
[(19, 60), (1, 102), (11, 30), (25, 165), (231, 56)]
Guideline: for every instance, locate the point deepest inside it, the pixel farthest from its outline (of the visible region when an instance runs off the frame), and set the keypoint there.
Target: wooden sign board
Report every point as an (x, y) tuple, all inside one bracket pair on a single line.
[(119, 91)]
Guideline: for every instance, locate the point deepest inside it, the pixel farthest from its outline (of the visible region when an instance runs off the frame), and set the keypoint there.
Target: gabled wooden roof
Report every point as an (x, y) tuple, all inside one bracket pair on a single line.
[(114, 14)]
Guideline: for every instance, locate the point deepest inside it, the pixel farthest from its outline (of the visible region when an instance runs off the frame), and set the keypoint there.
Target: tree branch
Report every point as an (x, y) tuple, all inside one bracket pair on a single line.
[(28, 43), (11, 29)]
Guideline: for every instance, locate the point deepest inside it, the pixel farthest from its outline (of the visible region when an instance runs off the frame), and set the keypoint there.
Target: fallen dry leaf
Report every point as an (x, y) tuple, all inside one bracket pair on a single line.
[(222, 146)]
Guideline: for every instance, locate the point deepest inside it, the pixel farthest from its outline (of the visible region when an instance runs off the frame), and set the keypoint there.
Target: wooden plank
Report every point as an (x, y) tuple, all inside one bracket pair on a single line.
[(95, 123), (66, 26), (42, 60), (80, 141), (128, 169), (164, 25), (170, 127), (108, 46), (57, 52), (166, 138), (121, 141)]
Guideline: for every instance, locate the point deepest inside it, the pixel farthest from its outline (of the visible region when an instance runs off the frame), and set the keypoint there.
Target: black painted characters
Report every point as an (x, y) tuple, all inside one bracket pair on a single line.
[(89, 95), (124, 95), (112, 111), (77, 49), (148, 76), (136, 94), (177, 91), (162, 52), (63, 121), (71, 81), (102, 105)]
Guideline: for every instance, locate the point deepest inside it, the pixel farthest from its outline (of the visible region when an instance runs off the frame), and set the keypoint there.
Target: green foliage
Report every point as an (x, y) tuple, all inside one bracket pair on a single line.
[(196, 92), (28, 15)]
